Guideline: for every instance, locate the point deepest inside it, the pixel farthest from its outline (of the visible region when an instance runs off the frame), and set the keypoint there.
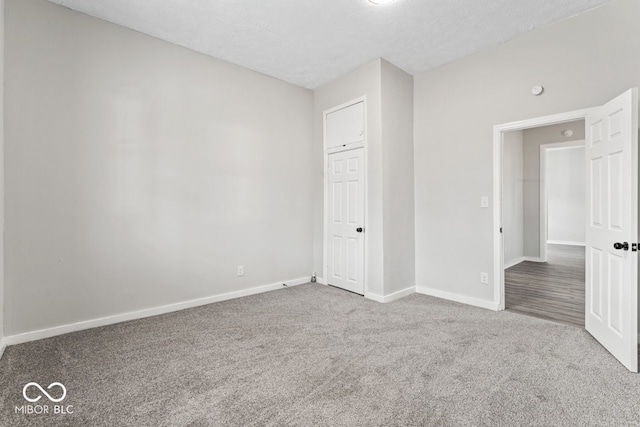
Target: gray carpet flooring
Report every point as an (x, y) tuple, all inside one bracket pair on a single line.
[(315, 355)]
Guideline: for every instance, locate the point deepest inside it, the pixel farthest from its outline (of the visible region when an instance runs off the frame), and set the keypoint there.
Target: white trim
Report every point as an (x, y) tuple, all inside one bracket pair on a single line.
[(343, 148), (537, 122), (325, 178), (134, 315), (362, 98), (321, 281), (498, 136), (513, 262), (635, 232), (489, 305), (3, 346), (565, 242), (374, 297), (544, 202), (522, 259), (567, 145), (391, 297)]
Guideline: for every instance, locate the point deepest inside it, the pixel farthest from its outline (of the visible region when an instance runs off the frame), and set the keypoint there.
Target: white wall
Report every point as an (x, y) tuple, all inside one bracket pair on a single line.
[(363, 81), (533, 139), (582, 62), (512, 198), (139, 173), (397, 171), (565, 180)]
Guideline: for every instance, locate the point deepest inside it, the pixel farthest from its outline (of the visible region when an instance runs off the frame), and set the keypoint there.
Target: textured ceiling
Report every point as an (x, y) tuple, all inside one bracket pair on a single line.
[(311, 42)]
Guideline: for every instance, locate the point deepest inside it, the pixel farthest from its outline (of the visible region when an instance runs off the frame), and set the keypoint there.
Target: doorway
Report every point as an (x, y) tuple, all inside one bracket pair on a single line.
[(611, 212), (543, 204)]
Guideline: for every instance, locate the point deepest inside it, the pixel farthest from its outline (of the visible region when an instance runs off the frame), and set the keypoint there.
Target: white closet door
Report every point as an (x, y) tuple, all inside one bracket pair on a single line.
[(345, 234)]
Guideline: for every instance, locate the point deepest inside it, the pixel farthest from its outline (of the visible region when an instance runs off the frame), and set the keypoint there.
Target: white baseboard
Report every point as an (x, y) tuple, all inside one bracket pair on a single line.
[(374, 297), (564, 242), (490, 305), (321, 280), (391, 297), (3, 345), (521, 259), (513, 262), (110, 320)]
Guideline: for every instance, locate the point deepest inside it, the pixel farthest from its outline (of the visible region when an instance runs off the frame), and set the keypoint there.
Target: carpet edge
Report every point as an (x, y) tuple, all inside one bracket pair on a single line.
[(141, 314)]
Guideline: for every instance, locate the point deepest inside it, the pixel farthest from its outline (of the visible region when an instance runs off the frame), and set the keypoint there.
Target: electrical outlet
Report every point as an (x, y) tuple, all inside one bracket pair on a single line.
[(484, 278), (241, 270)]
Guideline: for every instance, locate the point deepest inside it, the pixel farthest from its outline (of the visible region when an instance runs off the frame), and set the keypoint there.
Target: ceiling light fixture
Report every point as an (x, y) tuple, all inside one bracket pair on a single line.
[(380, 2)]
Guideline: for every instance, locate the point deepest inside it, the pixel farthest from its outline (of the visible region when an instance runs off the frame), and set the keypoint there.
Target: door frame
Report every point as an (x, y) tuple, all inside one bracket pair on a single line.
[(544, 202), (498, 142), (325, 180)]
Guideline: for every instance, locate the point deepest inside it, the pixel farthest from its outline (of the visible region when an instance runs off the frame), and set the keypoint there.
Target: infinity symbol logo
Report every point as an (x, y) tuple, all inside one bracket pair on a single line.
[(64, 392)]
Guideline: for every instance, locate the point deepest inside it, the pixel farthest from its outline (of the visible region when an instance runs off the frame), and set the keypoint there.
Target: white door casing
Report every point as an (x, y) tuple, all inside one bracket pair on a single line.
[(498, 141), (611, 297), (346, 214)]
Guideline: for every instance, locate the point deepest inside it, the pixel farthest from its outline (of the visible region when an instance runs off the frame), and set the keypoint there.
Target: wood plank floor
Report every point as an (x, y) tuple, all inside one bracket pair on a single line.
[(553, 290)]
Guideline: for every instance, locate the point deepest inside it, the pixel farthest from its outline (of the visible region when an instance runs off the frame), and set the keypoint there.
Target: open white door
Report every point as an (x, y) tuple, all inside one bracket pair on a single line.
[(611, 306)]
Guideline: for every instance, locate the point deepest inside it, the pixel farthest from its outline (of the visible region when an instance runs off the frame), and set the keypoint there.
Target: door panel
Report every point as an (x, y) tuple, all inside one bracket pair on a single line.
[(595, 271), (337, 202), (615, 167), (612, 188), (337, 257), (616, 274), (345, 267), (596, 192)]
